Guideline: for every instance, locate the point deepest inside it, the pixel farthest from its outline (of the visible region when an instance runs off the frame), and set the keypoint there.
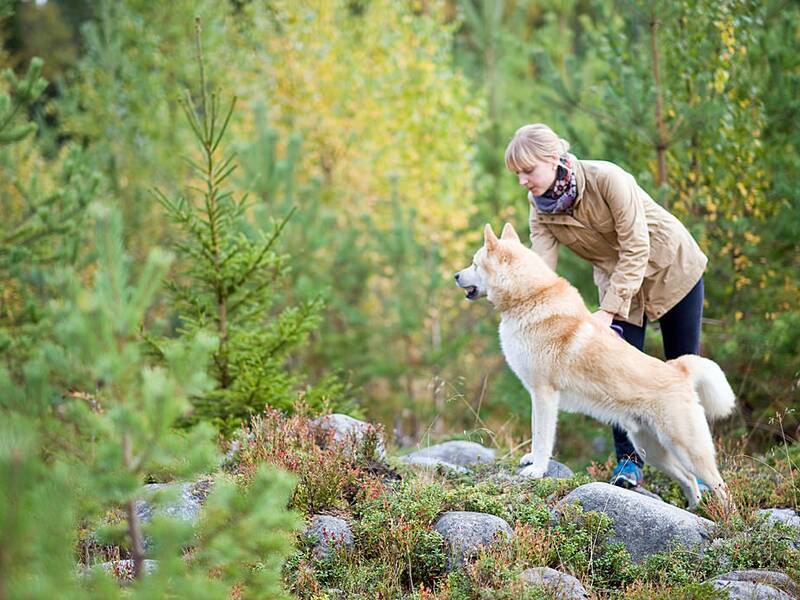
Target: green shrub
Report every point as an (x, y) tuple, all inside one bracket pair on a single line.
[(757, 544), (395, 529)]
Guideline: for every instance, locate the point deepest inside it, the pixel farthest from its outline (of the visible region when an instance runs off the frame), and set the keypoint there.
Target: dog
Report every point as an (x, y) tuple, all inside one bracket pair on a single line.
[(567, 360)]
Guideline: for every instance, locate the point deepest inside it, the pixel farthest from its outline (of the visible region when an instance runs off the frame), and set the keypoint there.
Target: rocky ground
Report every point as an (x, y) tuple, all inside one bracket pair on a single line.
[(455, 520)]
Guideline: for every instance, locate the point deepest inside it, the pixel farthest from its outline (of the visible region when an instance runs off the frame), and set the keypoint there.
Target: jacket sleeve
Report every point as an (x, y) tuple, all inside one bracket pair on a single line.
[(622, 198), (543, 242)]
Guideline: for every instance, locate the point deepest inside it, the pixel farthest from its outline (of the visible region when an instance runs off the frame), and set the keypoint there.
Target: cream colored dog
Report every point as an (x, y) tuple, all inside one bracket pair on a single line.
[(567, 360)]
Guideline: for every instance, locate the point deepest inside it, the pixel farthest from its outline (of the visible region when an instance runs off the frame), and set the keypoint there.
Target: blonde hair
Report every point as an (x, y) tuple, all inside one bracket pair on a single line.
[(533, 142)]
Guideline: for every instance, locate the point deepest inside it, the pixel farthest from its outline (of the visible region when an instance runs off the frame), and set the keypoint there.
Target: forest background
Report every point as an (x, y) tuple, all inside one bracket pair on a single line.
[(369, 139)]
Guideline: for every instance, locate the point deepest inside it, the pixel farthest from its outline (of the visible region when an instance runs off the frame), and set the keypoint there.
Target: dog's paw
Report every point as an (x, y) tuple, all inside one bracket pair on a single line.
[(532, 472), (526, 460)]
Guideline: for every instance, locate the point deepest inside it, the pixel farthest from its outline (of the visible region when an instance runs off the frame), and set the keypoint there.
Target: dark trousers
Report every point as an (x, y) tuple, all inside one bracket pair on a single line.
[(680, 330)]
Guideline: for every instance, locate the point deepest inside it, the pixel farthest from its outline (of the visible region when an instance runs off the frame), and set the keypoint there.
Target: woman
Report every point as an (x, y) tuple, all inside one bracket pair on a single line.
[(646, 264)]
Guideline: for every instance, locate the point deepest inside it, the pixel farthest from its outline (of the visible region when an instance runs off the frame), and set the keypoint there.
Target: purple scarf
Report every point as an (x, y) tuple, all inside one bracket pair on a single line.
[(562, 194)]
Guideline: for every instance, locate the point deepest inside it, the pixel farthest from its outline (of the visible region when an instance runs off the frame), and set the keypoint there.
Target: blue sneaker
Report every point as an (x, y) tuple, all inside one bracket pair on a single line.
[(704, 489), (627, 474)]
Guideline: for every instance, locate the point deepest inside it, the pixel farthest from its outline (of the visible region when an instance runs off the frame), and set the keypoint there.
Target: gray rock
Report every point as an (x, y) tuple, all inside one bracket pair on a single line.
[(747, 590), (465, 532), (326, 533), (561, 585), (345, 427), (432, 463), (186, 507), (463, 454), (774, 579), (181, 500), (558, 470), (555, 469), (644, 525), (645, 492), (784, 516)]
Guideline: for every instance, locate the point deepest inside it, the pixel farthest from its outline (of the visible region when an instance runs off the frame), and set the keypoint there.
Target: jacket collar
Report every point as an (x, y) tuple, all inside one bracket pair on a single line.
[(580, 177)]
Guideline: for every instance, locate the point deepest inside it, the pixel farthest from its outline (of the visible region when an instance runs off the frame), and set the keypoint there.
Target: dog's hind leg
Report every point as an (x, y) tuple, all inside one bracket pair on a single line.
[(688, 438), (544, 416), (650, 449)]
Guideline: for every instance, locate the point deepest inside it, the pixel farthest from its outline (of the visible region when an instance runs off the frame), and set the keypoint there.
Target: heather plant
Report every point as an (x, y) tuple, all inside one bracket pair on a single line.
[(331, 474), (495, 571), (395, 551), (688, 591)]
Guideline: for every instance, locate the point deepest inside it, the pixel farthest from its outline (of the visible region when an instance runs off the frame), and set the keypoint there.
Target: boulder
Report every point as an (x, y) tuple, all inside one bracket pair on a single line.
[(465, 532), (344, 428), (432, 463), (554, 469), (186, 507), (327, 533), (644, 525), (558, 470), (184, 504), (459, 453), (746, 590), (760, 579), (784, 516), (561, 586), (645, 492)]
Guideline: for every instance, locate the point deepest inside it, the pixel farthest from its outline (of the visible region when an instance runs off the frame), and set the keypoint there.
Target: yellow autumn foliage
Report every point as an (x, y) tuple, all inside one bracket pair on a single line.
[(378, 104)]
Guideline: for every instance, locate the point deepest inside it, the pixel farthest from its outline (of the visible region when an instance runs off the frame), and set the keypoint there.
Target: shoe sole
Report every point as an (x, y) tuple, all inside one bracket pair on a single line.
[(625, 482)]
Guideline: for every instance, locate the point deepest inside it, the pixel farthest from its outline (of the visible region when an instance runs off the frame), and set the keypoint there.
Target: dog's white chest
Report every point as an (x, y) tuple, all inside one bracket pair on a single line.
[(518, 351)]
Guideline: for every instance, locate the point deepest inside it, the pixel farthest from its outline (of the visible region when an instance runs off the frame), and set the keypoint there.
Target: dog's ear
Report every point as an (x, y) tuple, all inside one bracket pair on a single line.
[(509, 233), (489, 238)]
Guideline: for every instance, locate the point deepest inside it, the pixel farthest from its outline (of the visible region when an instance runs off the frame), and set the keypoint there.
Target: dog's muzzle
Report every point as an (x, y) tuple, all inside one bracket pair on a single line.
[(470, 290)]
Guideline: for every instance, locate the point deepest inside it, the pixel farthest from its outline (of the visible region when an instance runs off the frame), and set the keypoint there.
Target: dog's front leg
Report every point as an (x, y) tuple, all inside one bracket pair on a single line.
[(544, 415)]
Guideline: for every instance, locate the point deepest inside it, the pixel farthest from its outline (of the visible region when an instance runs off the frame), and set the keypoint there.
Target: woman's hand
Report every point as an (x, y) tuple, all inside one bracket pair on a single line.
[(604, 317)]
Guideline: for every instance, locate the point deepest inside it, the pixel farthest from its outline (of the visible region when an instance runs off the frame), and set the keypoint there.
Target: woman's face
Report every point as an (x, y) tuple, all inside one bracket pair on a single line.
[(539, 176)]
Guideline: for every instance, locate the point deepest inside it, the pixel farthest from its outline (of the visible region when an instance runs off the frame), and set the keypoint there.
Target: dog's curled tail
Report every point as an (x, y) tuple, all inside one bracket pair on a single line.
[(716, 395)]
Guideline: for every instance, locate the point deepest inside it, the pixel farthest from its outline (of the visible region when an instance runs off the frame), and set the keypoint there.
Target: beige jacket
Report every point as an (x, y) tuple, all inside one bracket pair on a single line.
[(644, 259)]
